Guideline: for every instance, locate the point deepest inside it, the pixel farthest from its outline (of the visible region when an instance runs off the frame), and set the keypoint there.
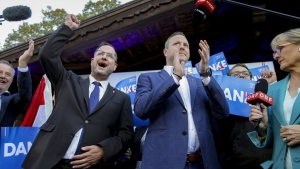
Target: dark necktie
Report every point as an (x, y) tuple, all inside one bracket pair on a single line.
[(94, 98)]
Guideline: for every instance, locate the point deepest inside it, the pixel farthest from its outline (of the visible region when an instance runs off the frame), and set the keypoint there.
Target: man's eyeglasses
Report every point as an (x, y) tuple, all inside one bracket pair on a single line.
[(238, 74), (108, 54), (279, 48)]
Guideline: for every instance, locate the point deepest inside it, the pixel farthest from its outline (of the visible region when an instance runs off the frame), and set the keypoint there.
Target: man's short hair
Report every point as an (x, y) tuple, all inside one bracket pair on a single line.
[(171, 36), (10, 65)]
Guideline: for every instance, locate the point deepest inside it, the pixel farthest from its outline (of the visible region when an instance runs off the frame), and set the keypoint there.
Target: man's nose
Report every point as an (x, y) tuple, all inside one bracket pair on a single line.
[(104, 57), (181, 45)]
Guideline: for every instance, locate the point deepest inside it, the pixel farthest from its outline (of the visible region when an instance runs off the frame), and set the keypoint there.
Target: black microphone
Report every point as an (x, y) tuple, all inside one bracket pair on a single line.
[(204, 7), (16, 13), (260, 96)]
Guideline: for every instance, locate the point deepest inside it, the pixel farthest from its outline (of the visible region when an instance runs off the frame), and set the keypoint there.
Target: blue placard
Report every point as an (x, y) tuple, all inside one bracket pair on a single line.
[(236, 91), (128, 86), (257, 71), (188, 68), (15, 144), (217, 63)]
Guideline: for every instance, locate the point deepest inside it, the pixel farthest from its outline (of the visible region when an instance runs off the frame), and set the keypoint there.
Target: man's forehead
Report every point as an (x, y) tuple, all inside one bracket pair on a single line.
[(107, 48), (179, 38), (239, 68), (5, 66)]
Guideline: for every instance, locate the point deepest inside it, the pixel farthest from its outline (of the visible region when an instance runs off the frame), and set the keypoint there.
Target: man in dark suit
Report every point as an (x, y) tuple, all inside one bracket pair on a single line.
[(13, 104), (180, 108), (101, 133)]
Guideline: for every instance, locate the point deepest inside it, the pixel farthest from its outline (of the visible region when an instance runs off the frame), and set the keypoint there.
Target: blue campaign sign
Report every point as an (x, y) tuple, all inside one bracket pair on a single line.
[(128, 86), (257, 71), (15, 144), (236, 91), (188, 68), (217, 63)]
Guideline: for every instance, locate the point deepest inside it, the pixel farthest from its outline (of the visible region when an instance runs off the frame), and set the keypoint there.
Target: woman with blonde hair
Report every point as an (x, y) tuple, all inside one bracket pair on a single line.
[(280, 123)]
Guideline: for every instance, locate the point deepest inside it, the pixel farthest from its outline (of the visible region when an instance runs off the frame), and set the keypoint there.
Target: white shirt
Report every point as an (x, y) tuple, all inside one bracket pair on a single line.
[(73, 146), (184, 90)]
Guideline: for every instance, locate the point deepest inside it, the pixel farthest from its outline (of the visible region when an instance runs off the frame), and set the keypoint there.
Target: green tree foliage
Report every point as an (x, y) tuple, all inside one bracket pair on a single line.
[(95, 8), (51, 20)]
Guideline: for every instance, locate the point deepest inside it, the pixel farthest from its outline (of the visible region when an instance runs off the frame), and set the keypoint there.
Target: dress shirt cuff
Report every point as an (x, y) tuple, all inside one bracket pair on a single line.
[(23, 69), (205, 81)]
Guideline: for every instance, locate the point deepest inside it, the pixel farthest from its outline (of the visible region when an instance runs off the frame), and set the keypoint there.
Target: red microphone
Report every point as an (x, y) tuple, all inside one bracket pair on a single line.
[(204, 7), (260, 96), (208, 4)]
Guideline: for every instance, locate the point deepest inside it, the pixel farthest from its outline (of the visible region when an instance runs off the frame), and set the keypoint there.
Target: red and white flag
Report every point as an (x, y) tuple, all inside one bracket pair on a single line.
[(40, 106)]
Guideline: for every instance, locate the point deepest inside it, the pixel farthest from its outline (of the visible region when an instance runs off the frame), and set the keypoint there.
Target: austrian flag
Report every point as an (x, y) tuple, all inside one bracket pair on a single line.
[(41, 106)]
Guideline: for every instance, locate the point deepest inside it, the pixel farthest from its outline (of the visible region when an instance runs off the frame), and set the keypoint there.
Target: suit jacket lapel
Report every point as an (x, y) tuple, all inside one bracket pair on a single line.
[(84, 84), (281, 90), (4, 103), (164, 75), (295, 112), (193, 89)]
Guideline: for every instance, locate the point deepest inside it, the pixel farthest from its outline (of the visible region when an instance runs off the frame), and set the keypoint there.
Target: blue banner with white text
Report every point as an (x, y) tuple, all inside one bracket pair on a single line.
[(236, 91), (15, 144), (217, 63), (256, 72), (128, 86)]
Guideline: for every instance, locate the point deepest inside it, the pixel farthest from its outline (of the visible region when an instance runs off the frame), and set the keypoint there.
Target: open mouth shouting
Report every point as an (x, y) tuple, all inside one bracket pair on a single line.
[(102, 64)]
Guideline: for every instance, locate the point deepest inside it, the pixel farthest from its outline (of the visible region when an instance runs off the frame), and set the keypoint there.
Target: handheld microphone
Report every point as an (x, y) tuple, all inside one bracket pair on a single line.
[(16, 13), (260, 96), (204, 7)]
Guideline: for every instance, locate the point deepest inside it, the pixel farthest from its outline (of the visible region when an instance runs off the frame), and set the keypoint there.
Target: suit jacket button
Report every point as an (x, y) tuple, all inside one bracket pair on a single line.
[(184, 133), (86, 122), (183, 111)]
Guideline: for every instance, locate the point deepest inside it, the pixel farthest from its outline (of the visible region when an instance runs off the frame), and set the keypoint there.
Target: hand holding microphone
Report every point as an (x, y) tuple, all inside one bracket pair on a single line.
[(258, 111)]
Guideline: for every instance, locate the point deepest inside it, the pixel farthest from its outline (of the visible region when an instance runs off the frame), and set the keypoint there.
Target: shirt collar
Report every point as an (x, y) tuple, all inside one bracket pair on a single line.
[(6, 93), (170, 69), (104, 84)]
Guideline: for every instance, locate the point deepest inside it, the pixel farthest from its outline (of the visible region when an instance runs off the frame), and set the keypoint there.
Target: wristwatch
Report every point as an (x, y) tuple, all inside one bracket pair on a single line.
[(207, 73)]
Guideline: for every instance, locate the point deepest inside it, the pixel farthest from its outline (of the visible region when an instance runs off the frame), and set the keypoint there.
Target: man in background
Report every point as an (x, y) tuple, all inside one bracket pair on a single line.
[(13, 104)]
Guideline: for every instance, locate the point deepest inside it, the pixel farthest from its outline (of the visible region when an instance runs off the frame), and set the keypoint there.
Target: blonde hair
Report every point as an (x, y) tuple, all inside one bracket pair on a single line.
[(291, 36)]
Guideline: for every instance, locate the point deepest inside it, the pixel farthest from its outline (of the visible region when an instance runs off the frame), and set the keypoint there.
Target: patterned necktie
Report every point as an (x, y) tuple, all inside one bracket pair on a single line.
[(94, 98)]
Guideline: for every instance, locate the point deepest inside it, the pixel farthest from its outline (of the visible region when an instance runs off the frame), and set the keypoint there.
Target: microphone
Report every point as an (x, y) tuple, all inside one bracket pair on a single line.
[(16, 13), (204, 7), (260, 96)]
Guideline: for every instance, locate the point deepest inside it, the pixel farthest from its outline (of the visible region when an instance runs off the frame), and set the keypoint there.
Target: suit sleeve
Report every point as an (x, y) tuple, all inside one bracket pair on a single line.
[(51, 51), (124, 133), (23, 97), (217, 100), (149, 96)]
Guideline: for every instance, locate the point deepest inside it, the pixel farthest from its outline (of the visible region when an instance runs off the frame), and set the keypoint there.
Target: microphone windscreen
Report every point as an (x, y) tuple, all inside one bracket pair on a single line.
[(262, 86), (16, 13), (199, 14)]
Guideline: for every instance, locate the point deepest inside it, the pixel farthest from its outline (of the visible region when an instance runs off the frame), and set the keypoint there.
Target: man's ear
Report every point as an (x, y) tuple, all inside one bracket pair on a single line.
[(165, 51), (116, 65)]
